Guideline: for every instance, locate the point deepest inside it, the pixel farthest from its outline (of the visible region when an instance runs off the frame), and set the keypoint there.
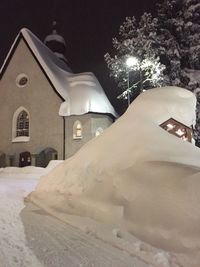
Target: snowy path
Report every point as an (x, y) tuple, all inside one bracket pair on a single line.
[(29, 237), (13, 249)]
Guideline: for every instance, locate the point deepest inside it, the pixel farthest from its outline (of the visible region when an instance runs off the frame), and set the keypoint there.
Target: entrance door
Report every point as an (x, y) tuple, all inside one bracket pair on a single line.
[(24, 159)]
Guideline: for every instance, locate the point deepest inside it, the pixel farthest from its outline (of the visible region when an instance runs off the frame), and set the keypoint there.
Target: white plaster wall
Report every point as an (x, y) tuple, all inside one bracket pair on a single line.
[(100, 121), (90, 123), (73, 145)]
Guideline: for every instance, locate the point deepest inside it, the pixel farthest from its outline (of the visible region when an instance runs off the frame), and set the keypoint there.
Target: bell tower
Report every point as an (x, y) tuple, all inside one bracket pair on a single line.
[(56, 43)]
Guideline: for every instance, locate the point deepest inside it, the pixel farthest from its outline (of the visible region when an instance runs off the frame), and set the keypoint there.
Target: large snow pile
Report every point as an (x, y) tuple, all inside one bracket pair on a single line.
[(29, 237), (28, 171), (135, 175)]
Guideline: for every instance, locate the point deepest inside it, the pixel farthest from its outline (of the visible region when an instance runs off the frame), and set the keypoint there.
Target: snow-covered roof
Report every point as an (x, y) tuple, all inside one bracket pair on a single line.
[(85, 95), (81, 93)]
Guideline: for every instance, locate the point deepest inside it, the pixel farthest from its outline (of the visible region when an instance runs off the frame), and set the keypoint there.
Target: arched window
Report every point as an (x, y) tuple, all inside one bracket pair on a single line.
[(98, 131), (22, 124), (77, 130)]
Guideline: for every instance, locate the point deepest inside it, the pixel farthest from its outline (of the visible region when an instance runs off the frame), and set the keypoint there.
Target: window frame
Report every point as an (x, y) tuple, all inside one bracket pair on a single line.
[(19, 78), (15, 136), (178, 129), (76, 130), (22, 127)]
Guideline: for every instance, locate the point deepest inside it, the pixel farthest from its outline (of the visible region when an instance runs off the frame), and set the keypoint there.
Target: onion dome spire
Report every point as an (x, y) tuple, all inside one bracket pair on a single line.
[(56, 42)]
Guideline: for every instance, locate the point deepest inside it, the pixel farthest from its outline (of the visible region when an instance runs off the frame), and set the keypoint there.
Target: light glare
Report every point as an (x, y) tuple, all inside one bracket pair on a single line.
[(131, 61)]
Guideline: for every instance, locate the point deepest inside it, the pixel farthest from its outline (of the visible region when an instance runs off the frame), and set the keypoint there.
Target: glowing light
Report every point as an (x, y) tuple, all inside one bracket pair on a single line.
[(132, 61), (184, 138), (170, 126), (180, 132)]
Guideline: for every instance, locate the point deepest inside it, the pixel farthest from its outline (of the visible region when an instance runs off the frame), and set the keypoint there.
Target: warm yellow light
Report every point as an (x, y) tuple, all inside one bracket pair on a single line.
[(170, 126), (180, 132)]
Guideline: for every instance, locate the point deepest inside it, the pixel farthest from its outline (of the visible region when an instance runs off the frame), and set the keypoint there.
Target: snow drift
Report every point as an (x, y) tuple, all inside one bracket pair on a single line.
[(136, 175)]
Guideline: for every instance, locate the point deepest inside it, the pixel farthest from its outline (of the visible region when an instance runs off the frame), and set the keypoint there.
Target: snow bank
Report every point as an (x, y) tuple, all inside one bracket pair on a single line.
[(24, 170), (135, 175), (29, 171)]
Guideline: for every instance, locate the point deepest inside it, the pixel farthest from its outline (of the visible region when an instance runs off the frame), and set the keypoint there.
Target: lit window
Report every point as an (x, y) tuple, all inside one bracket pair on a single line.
[(180, 132), (77, 130), (178, 129), (22, 124), (98, 131), (170, 126), (184, 138)]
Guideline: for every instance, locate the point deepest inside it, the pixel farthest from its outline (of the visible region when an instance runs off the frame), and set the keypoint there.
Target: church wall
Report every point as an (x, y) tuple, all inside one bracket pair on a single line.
[(40, 100), (100, 121), (73, 145), (90, 123)]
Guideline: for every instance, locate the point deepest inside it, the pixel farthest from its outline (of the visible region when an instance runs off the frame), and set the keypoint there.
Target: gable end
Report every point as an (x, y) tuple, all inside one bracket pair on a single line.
[(11, 53)]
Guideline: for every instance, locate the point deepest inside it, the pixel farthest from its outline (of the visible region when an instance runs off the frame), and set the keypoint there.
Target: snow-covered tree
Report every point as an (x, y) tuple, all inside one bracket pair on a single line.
[(170, 16), (190, 37), (171, 41), (180, 19), (190, 45), (170, 30), (138, 40)]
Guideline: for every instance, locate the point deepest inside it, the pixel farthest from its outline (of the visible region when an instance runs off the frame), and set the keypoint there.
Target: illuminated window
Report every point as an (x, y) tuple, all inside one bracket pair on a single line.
[(77, 130), (178, 129), (98, 131)]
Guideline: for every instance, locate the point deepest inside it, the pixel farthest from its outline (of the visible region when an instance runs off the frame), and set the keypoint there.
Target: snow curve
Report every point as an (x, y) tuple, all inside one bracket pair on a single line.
[(136, 175)]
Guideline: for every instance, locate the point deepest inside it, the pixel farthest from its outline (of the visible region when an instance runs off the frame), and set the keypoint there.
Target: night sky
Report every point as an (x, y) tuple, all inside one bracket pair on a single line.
[(87, 26)]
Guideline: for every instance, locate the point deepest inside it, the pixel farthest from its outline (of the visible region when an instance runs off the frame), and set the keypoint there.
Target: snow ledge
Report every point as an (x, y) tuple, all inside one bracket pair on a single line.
[(21, 139)]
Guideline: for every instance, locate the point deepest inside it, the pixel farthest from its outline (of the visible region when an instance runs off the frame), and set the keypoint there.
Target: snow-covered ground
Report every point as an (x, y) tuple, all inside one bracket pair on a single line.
[(13, 248), (30, 237)]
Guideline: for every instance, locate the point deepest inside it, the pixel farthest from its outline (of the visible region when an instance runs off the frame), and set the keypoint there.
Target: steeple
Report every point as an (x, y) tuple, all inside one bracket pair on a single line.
[(56, 43)]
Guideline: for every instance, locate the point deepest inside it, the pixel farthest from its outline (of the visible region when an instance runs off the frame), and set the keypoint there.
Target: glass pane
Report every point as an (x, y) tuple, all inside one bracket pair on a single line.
[(22, 124)]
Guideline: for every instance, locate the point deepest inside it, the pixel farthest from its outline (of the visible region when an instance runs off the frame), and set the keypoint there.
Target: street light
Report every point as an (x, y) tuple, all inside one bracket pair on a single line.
[(130, 63)]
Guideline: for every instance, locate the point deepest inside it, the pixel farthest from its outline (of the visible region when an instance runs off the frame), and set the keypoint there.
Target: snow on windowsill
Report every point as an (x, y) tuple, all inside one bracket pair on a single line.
[(21, 139), (77, 137)]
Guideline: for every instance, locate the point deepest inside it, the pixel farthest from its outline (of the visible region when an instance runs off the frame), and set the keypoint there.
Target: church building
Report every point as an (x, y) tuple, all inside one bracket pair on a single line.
[(46, 111)]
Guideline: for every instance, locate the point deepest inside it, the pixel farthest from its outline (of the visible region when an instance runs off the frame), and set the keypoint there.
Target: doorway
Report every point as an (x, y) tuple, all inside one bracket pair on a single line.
[(24, 159)]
